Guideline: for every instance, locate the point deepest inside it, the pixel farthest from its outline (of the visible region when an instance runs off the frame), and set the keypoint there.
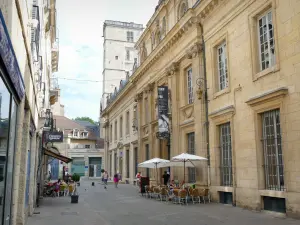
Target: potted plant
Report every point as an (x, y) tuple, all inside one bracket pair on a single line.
[(76, 178), (75, 196)]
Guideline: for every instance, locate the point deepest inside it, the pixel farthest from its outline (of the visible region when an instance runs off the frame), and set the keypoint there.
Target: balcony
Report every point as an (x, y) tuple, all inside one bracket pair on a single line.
[(54, 90)]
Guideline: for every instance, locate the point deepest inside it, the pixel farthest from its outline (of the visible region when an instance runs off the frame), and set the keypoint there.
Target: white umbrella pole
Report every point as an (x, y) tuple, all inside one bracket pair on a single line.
[(156, 174), (184, 171)]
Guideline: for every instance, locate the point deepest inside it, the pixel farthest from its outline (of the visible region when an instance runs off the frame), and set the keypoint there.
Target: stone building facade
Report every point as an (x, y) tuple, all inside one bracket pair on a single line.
[(27, 39), (232, 70)]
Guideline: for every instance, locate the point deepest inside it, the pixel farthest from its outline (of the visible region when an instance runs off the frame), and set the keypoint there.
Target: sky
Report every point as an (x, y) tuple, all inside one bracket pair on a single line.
[(80, 25)]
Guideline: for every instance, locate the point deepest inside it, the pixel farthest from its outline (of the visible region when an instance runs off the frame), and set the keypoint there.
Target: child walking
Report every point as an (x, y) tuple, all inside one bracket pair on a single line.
[(116, 180)]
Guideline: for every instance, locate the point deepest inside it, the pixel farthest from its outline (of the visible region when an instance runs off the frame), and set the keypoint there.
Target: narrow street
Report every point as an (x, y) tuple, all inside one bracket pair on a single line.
[(124, 206)]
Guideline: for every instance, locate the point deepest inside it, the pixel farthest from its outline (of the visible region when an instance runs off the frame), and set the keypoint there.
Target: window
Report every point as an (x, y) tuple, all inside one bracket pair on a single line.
[(121, 127), (266, 41), (225, 154), (271, 140), (116, 57), (164, 26), (182, 9), (116, 133), (75, 133), (147, 158), (222, 66), (129, 36), (136, 160), (127, 55), (115, 162), (190, 86), (84, 134), (191, 150), (127, 122), (87, 146), (111, 132), (146, 111), (135, 119), (127, 164)]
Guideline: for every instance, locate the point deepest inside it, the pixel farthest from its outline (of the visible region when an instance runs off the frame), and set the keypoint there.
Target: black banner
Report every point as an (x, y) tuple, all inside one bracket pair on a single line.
[(54, 136), (163, 107)]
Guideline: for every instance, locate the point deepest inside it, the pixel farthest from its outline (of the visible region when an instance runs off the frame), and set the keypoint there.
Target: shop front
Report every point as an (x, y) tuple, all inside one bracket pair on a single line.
[(11, 93)]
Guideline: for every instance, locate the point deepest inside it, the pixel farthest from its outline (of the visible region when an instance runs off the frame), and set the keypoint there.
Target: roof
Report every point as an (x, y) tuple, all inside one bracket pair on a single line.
[(64, 123), (90, 126)]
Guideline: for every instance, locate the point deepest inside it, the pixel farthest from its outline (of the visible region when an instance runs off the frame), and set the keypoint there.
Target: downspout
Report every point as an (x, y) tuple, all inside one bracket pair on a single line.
[(206, 106)]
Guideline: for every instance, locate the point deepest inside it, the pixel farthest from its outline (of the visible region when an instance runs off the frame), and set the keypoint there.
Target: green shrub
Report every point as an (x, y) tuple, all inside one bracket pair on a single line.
[(76, 177)]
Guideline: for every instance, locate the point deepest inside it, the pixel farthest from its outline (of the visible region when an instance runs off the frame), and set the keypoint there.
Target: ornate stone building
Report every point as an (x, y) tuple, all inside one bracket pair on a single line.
[(232, 70)]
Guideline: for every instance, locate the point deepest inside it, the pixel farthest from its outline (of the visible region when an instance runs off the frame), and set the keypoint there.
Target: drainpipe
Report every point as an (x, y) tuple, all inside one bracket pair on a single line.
[(206, 106)]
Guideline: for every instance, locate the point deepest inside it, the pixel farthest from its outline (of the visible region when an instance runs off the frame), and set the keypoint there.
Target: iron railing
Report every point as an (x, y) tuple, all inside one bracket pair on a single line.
[(226, 176)]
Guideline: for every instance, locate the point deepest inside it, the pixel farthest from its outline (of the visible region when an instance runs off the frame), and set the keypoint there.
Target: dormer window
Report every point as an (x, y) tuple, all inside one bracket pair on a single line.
[(84, 134), (75, 133)]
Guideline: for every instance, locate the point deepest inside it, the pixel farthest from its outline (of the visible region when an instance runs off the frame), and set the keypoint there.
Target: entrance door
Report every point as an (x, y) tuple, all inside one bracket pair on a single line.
[(54, 168), (95, 166)]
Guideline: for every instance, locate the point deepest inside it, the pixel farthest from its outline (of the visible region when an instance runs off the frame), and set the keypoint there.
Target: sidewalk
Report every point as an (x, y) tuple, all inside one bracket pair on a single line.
[(61, 211)]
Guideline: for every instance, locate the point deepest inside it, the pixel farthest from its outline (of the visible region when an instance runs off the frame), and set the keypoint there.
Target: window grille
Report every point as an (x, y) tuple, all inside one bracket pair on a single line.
[(136, 160), (226, 154), (222, 66), (266, 41), (191, 150), (127, 55), (127, 164), (273, 161), (127, 122), (121, 127), (190, 86)]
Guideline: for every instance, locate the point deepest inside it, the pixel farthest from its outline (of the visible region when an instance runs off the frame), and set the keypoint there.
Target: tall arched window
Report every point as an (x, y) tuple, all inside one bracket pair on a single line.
[(164, 26), (182, 8)]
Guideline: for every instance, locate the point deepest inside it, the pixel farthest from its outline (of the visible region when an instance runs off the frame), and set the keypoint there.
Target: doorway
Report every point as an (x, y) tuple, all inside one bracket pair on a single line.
[(95, 164)]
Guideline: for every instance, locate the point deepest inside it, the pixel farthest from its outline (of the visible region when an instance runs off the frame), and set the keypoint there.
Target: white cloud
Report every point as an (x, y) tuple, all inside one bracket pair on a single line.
[(80, 25)]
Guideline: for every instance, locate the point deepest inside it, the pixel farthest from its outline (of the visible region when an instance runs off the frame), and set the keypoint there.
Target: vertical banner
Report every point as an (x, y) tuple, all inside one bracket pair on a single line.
[(163, 119)]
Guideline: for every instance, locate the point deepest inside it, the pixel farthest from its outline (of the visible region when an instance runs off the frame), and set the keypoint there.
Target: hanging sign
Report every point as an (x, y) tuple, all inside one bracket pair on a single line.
[(163, 106), (54, 136)]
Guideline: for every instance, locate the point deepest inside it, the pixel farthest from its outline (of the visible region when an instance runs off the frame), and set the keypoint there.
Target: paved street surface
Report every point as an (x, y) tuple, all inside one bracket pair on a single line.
[(124, 206)]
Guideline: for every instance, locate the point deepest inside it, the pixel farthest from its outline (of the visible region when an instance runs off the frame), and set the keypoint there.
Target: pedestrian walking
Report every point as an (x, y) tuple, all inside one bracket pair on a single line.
[(116, 180), (105, 178)]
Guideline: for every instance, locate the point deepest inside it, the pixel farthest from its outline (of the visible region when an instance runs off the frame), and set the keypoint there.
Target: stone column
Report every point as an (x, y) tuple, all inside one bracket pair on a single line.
[(174, 96), (138, 99), (23, 168), (32, 186), (17, 164), (199, 107)]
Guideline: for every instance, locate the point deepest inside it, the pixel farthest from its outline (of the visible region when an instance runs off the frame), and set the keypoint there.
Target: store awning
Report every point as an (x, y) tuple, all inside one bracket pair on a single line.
[(55, 154)]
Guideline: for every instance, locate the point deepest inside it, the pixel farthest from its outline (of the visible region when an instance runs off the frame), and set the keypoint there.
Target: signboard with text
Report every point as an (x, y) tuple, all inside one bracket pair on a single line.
[(163, 107), (54, 136)]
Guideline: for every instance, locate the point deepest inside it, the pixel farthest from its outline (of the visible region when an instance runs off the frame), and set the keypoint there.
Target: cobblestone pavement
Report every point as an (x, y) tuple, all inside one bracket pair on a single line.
[(124, 206)]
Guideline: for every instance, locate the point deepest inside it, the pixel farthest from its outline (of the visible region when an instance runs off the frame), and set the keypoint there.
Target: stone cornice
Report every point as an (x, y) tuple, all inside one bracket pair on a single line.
[(268, 96), (150, 22), (172, 37), (206, 8)]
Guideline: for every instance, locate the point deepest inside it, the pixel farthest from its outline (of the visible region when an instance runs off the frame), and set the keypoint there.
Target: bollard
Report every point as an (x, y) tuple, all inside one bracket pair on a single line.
[(93, 183)]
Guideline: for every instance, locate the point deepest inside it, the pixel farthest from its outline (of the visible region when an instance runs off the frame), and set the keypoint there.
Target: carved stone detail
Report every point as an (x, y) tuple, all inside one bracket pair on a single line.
[(193, 51), (138, 97), (172, 69)]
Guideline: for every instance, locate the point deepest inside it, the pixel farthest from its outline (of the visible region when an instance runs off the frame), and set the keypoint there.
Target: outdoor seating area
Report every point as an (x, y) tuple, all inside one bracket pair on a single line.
[(174, 192), (177, 195)]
